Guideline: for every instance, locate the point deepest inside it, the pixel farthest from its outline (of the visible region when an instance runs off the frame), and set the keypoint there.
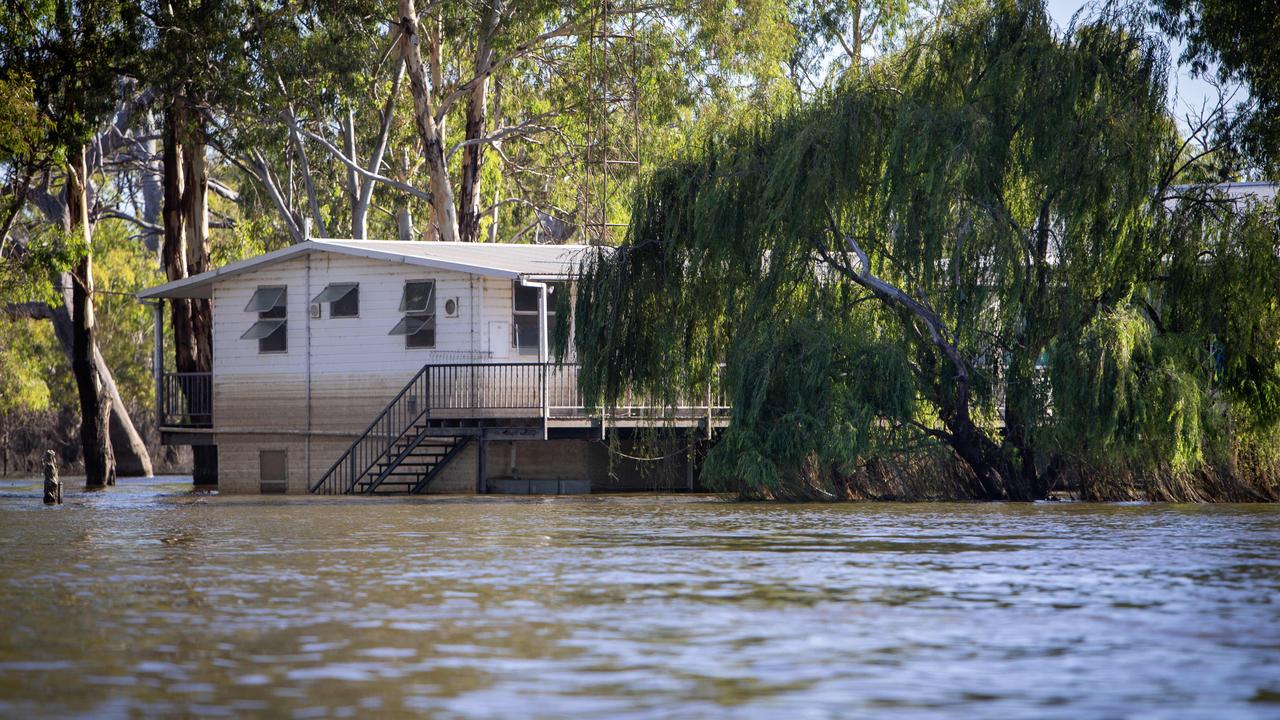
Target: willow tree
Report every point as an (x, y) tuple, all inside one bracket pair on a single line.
[(887, 270)]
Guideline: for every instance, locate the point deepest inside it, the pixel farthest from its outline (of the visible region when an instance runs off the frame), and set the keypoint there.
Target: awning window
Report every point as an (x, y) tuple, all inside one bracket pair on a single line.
[(413, 324), (262, 329), (334, 293), (265, 299), (418, 297)]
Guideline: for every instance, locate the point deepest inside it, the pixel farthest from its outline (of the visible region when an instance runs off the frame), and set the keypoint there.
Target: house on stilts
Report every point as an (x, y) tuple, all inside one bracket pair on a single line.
[(370, 367)]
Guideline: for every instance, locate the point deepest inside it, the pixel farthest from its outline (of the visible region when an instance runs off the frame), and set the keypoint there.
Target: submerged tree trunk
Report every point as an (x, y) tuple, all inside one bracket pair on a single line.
[(132, 458), (95, 405), (444, 213), (186, 252)]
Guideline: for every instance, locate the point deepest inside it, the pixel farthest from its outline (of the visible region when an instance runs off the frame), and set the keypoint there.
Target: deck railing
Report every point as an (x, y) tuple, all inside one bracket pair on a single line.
[(549, 389), (490, 390), (186, 400)]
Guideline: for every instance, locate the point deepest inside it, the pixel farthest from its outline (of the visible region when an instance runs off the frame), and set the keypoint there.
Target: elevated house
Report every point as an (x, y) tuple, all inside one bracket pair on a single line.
[(405, 367)]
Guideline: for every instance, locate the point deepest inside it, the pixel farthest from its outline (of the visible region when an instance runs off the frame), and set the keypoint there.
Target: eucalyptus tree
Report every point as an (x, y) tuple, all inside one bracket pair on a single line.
[(194, 60), (832, 36), (73, 54), (908, 263), (539, 53)]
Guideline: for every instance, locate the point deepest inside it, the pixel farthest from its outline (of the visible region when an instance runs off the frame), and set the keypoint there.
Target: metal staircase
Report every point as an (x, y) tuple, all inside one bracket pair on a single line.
[(401, 451)]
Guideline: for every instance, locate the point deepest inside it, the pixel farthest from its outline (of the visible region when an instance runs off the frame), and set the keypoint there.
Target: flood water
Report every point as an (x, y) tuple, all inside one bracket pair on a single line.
[(148, 601)]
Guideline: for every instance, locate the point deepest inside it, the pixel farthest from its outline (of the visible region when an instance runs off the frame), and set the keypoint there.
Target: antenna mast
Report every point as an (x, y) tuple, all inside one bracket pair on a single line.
[(611, 150)]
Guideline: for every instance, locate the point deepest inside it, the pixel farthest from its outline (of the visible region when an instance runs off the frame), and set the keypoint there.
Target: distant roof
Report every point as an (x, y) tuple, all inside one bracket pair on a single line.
[(1250, 190), (499, 260)]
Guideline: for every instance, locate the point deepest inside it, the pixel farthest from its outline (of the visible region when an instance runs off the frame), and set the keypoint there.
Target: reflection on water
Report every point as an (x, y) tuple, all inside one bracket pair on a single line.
[(147, 601)]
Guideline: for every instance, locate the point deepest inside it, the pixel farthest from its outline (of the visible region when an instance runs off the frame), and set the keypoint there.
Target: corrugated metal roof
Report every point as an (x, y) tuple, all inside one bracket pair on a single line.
[(508, 261)]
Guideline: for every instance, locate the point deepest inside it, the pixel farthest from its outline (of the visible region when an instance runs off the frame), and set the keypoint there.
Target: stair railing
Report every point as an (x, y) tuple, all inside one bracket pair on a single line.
[(410, 405)]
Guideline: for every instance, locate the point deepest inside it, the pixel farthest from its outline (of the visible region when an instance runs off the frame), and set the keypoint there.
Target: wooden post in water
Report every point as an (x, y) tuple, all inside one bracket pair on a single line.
[(52, 485)]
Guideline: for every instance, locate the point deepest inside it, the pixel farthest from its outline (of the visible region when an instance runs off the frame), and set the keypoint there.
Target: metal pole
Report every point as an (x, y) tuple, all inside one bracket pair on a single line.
[(542, 344), (482, 485), (157, 356)]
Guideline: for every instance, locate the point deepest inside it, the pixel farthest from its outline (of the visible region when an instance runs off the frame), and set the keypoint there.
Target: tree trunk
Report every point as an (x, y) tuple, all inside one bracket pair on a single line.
[(128, 448), (473, 155), (95, 405), (358, 220), (1031, 339), (152, 183), (360, 205), (444, 213), (132, 458), (195, 205), (856, 60), (186, 253), (982, 455), (404, 223)]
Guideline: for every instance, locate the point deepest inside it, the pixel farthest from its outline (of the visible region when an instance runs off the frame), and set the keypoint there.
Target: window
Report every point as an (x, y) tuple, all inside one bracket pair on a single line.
[(343, 299), (273, 471), (271, 331), (524, 315), (418, 303)]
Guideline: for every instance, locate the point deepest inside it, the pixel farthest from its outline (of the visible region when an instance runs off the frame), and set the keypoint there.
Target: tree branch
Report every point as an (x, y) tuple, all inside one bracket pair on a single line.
[(263, 175), (525, 128), (307, 181), (149, 227), (421, 194)]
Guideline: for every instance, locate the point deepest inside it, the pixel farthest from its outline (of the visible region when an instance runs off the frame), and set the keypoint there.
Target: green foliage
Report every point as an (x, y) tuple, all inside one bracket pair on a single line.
[(1223, 294), (34, 371), (1009, 179), (1239, 38), (22, 127), (28, 356), (73, 53), (27, 271), (1124, 392), (122, 267)]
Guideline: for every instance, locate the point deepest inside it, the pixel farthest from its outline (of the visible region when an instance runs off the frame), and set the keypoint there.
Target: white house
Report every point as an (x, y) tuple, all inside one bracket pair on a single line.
[(344, 366)]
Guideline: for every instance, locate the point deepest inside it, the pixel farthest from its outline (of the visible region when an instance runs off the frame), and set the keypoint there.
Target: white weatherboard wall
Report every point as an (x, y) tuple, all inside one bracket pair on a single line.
[(280, 401), (345, 345), (338, 373)]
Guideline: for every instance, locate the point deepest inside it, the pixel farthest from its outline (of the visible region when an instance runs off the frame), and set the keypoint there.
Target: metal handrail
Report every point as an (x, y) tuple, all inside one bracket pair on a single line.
[(493, 389), (361, 454), (186, 399)]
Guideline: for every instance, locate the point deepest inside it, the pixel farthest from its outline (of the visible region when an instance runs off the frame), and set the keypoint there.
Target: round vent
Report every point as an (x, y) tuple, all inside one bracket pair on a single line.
[(450, 307)]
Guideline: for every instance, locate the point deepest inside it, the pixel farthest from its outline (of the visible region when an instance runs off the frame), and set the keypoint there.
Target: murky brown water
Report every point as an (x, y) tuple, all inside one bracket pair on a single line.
[(143, 601)]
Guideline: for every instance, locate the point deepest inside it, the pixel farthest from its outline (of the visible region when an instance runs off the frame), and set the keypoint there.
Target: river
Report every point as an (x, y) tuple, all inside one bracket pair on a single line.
[(149, 601)]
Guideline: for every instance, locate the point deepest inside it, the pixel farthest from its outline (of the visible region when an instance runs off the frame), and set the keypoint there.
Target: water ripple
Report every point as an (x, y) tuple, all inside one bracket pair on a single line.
[(147, 601)]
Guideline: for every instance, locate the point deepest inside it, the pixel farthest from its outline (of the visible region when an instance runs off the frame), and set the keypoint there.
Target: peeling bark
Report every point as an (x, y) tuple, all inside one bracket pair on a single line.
[(444, 212)]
